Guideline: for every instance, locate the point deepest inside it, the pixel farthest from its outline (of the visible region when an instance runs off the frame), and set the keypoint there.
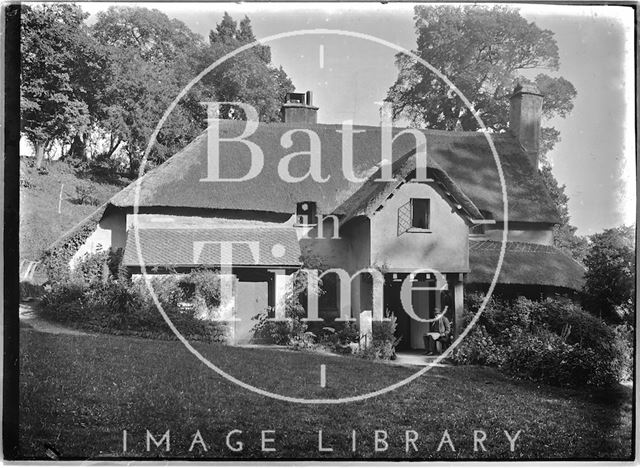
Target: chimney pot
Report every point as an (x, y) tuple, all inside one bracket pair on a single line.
[(524, 119), (299, 108)]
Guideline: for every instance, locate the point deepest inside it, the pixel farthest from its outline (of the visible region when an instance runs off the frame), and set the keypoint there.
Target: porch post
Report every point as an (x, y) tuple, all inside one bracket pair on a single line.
[(458, 303), (227, 310), (280, 286)]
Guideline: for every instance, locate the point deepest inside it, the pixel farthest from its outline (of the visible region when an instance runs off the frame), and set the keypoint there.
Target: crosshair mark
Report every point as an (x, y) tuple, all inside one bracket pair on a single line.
[(323, 375), (278, 250)]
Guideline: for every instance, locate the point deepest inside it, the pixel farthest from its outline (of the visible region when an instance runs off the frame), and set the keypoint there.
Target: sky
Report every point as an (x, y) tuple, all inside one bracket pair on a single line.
[(350, 76)]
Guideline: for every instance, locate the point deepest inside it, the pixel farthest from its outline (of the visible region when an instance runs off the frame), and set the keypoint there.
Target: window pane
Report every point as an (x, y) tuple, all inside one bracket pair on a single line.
[(420, 213)]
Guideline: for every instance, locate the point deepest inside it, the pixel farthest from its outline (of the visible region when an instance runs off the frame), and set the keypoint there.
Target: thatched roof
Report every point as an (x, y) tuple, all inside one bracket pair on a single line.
[(524, 264), (175, 246), (465, 158), (373, 192)]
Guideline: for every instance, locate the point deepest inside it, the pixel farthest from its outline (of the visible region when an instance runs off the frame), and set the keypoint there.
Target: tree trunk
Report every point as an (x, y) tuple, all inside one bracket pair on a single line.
[(113, 146), (134, 167), (39, 146), (78, 148)]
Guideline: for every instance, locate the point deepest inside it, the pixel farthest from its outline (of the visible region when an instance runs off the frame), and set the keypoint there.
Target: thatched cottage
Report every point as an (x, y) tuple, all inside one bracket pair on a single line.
[(451, 222)]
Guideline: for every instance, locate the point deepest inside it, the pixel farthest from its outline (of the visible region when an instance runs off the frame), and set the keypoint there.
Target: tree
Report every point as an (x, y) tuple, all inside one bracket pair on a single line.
[(610, 277), (152, 57), (248, 77), (484, 52), (60, 75), (564, 234)]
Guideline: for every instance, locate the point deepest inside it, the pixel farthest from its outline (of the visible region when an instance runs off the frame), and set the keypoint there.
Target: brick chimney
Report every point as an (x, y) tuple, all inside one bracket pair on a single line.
[(524, 119), (299, 108)]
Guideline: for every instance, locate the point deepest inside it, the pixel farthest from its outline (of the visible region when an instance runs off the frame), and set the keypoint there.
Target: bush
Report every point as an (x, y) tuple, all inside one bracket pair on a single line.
[(30, 290), (167, 289), (547, 358), (84, 196), (585, 329), (552, 341), (97, 267), (339, 337), (64, 303), (479, 348), (292, 330), (205, 285), (384, 341), (282, 332), (119, 308)]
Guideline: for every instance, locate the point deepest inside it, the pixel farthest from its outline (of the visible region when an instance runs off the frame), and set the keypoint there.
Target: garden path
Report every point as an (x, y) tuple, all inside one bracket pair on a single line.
[(29, 317)]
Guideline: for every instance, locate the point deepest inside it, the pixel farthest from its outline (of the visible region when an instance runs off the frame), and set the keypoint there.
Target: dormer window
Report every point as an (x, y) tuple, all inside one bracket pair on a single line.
[(306, 213), (420, 213)]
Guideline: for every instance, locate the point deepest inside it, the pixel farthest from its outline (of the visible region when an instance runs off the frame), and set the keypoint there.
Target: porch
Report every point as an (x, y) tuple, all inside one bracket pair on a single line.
[(428, 300)]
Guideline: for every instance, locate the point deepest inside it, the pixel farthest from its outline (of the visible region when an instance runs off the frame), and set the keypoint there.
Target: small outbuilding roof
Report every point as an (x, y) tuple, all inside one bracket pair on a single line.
[(524, 264), (465, 158), (254, 246)]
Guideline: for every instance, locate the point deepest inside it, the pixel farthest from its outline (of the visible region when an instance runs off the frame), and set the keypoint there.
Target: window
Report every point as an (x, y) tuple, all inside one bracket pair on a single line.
[(306, 213), (420, 213)]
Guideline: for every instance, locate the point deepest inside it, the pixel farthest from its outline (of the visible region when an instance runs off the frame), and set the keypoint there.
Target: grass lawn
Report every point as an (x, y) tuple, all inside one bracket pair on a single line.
[(78, 393), (40, 222)]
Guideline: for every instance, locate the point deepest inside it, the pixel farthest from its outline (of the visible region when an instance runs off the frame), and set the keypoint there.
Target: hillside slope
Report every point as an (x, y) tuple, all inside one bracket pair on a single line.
[(45, 214)]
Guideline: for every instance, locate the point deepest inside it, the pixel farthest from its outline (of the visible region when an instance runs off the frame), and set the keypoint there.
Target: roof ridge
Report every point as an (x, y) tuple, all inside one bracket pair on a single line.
[(433, 131)]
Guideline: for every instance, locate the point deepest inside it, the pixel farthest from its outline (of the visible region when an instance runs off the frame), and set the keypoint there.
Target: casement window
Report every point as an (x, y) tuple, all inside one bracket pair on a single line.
[(420, 213), (306, 213)]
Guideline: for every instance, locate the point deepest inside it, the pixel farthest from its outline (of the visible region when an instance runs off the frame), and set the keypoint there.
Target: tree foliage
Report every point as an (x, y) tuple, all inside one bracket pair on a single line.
[(152, 57), (483, 52), (248, 77), (61, 79), (564, 234), (610, 278), (114, 80)]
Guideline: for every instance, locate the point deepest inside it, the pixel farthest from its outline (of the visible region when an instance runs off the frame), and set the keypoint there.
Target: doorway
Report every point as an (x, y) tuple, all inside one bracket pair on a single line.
[(409, 331)]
